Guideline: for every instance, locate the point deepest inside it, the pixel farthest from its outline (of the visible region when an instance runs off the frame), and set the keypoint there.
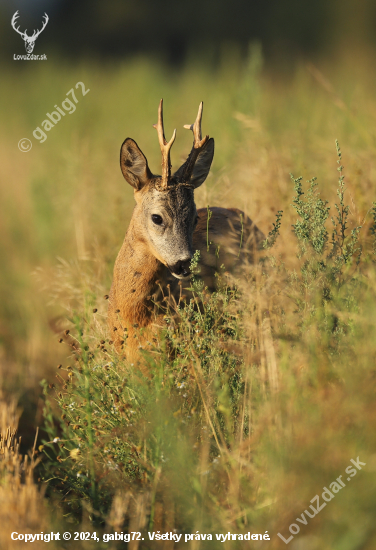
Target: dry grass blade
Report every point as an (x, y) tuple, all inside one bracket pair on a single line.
[(267, 348), (22, 505)]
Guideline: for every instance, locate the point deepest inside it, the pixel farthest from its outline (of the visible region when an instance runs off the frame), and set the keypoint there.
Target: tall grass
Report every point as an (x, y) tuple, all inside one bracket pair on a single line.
[(262, 395), (249, 401)]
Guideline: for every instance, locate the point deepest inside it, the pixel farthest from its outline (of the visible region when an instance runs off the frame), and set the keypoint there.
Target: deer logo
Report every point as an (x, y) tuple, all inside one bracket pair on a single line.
[(29, 40)]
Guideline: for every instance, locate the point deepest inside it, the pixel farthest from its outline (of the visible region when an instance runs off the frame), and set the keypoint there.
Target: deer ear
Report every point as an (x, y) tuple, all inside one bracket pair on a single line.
[(202, 164), (134, 165)]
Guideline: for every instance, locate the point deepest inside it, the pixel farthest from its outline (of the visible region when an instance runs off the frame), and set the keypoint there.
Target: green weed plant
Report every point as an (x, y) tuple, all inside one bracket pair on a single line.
[(207, 438)]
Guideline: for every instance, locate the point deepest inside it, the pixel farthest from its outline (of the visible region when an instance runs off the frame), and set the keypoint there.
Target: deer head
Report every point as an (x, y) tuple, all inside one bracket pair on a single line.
[(165, 215), (29, 40)]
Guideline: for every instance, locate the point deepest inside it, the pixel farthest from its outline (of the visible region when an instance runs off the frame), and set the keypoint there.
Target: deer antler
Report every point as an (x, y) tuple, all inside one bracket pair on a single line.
[(17, 29), (199, 143), (37, 33), (196, 129), (165, 147)]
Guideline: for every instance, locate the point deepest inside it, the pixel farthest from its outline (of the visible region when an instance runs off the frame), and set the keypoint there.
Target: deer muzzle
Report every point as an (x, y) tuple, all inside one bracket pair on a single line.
[(181, 270)]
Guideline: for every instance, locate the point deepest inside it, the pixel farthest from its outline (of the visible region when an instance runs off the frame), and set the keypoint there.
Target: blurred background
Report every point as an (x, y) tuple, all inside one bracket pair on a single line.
[(176, 31), (280, 82)]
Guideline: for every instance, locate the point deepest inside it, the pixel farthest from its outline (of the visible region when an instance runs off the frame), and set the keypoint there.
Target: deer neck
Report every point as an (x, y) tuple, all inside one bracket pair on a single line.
[(136, 273)]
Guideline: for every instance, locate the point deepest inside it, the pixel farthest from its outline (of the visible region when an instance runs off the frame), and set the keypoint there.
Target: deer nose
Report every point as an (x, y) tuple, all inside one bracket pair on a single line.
[(181, 268)]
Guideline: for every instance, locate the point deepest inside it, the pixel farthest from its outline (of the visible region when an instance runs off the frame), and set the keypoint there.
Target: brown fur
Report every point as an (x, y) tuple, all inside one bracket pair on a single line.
[(137, 272), (163, 234)]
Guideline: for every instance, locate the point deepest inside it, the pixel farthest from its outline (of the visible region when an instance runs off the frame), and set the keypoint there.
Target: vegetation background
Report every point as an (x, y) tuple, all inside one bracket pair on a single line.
[(280, 82)]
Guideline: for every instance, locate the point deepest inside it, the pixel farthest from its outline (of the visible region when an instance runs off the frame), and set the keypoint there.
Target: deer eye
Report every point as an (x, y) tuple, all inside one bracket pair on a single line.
[(157, 219)]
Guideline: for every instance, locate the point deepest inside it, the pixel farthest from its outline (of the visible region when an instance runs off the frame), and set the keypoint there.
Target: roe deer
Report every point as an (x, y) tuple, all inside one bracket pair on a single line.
[(165, 230)]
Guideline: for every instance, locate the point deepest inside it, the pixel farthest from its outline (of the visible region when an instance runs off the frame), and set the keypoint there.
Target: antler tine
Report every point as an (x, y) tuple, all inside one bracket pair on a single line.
[(196, 129), (37, 33), (165, 147), (13, 22), (186, 170), (159, 127)]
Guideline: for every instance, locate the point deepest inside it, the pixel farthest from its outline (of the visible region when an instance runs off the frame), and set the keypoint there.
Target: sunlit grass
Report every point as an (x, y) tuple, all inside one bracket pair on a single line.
[(278, 403)]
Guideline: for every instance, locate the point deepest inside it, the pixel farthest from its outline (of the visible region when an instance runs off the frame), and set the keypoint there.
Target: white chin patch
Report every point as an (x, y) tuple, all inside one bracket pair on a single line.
[(181, 276)]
